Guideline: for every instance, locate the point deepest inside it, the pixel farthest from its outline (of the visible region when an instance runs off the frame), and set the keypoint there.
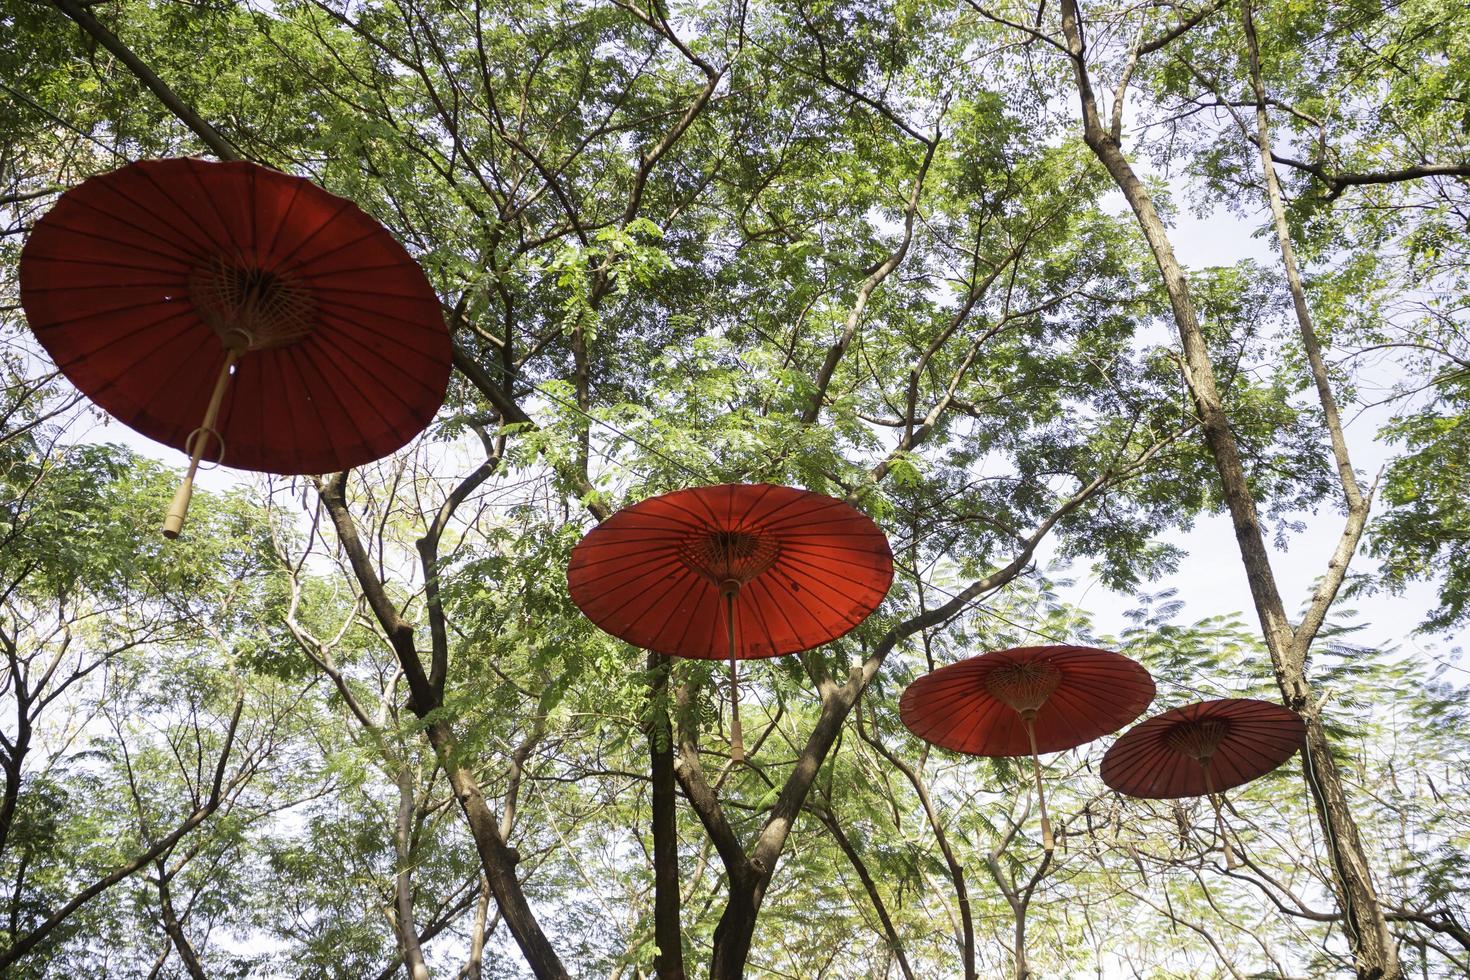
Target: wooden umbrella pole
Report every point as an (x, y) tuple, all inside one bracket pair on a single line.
[(1047, 841), (174, 522), (737, 747), (1219, 815)]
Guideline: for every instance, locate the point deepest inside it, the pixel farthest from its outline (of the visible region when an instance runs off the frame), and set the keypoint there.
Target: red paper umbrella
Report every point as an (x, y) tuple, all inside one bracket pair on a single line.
[(738, 571), (1027, 701), (1203, 749), (192, 299)]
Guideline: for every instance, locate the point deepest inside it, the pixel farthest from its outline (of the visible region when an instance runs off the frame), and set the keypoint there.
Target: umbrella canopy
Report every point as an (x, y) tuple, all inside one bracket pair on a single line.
[(799, 569), (1026, 701), (976, 706), (735, 571), (1203, 748), (168, 288)]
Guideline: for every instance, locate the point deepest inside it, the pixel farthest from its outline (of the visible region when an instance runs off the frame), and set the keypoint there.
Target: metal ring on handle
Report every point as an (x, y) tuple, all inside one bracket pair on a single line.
[(208, 431)]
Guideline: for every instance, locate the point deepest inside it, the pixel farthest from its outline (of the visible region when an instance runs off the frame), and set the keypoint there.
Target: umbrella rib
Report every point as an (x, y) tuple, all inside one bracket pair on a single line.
[(698, 588), (266, 374), (60, 226), (951, 690), (203, 381), (837, 613), (1134, 746), (855, 565), (179, 309), (776, 520), (672, 587), (1126, 750), (184, 248), (183, 269), (596, 570), (342, 205), (286, 360), (367, 235), (1233, 770), (644, 581), (389, 334), (1078, 735), (647, 519), (343, 325), (653, 633), (918, 714), (948, 735), (351, 290), (348, 354), (92, 351), (209, 198), (253, 198), (282, 214), (709, 520), (1250, 751), (347, 379), (301, 365), (760, 609), (1090, 701), (765, 492), (782, 562), (619, 539), (1144, 776), (619, 559), (988, 714), (1151, 756), (72, 288), (1176, 778), (796, 558)]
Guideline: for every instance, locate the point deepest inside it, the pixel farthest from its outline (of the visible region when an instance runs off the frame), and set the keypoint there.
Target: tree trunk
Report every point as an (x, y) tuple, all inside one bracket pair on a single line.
[(403, 920), (736, 928), (474, 965), (175, 928), (497, 860), (669, 964), (1373, 950)]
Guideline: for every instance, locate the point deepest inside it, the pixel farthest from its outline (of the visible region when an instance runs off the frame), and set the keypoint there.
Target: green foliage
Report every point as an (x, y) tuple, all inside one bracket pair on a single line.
[(674, 306)]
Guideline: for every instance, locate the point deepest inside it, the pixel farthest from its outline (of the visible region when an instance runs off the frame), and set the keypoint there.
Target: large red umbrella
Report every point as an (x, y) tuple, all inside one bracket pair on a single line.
[(735, 571), (1203, 749), (1026, 701), (232, 305)]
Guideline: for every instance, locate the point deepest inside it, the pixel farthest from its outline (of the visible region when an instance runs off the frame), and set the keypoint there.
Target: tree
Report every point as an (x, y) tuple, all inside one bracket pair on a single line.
[(856, 250)]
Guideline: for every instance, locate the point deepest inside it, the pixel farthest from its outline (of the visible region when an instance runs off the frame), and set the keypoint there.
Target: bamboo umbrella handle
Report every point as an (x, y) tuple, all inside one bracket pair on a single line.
[(1048, 842), (173, 523), (1219, 816), (737, 747)]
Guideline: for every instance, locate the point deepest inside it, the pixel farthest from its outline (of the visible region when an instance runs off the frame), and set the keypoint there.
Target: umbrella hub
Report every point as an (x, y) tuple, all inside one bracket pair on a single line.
[(249, 307), (730, 558), (1197, 739), (1024, 685)]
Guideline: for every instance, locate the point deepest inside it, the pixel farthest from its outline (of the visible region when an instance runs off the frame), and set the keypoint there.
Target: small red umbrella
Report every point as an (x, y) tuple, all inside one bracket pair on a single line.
[(738, 570), (1203, 749), (1026, 701), (203, 302)]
